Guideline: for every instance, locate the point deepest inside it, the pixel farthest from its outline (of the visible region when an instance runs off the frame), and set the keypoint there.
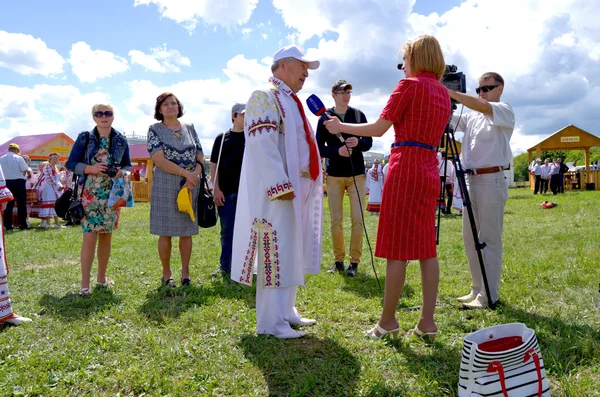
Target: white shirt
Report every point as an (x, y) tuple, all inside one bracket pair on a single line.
[(13, 166), (544, 171), (487, 138), (537, 169)]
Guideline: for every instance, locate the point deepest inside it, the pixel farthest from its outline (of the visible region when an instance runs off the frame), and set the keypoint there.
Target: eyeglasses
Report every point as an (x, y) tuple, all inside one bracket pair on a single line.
[(107, 113), (343, 93), (486, 88)]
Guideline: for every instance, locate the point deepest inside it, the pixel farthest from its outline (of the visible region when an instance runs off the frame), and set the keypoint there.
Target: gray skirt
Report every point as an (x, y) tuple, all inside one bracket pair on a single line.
[(165, 217)]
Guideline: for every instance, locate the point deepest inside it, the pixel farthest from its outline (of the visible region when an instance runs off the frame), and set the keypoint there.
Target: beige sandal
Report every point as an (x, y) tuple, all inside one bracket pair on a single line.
[(85, 292), (424, 336)]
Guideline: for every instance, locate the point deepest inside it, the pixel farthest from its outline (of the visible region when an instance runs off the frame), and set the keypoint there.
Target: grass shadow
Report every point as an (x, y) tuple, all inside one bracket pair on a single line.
[(439, 362), (307, 366), (72, 306), (366, 286), (172, 302)]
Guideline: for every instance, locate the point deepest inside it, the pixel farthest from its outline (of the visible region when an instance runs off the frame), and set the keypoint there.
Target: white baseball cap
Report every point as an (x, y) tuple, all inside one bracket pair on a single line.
[(293, 51)]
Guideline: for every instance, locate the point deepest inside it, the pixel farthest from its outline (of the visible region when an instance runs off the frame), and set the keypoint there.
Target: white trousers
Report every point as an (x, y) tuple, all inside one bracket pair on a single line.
[(488, 194), (274, 308)]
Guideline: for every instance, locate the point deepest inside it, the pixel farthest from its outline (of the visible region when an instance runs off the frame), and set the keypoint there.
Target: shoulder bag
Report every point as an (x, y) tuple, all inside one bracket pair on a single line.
[(207, 211)]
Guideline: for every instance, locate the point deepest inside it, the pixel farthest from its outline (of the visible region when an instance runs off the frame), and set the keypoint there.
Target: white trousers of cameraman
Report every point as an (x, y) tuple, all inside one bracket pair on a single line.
[(488, 194)]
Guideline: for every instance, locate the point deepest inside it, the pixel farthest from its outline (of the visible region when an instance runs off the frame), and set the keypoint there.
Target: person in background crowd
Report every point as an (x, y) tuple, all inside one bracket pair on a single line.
[(375, 180), (544, 174), (418, 109), (177, 153), (554, 176), (448, 176), (15, 170), (106, 151), (536, 170), (50, 189), (563, 169), (345, 174), (227, 154), (7, 316)]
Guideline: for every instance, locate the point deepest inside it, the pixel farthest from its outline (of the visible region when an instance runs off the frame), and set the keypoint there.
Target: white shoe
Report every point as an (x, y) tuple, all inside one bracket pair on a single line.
[(291, 334), (477, 303), (302, 322), (17, 320), (58, 226), (467, 298)]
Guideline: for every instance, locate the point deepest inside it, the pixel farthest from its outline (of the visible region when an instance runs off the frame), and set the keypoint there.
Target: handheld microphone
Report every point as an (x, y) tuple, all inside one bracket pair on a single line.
[(318, 109)]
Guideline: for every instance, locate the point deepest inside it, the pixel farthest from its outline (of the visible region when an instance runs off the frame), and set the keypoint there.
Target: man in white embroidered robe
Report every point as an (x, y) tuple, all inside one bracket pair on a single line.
[(277, 233), (6, 313)]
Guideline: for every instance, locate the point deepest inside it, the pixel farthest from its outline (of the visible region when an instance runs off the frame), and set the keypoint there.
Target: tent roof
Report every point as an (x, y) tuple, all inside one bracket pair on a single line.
[(27, 143), (138, 151), (567, 138)]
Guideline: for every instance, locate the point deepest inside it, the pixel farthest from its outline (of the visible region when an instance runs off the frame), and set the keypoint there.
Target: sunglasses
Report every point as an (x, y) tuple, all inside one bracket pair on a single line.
[(107, 113), (486, 88)]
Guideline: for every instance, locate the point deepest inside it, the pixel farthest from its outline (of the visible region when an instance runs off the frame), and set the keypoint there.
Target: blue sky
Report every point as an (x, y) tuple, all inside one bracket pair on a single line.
[(57, 59)]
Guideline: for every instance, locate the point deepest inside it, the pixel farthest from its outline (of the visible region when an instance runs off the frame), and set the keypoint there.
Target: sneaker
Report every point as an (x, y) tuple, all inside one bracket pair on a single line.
[(352, 269), (337, 267)]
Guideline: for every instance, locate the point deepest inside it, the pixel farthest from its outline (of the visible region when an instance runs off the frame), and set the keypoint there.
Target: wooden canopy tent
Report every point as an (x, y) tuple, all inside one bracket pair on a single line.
[(139, 154), (568, 138), (39, 146)]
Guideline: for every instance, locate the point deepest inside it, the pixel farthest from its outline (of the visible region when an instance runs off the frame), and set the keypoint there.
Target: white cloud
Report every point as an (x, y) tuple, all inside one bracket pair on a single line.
[(224, 13), (160, 59), (46, 109), (90, 65), (207, 103), (27, 55)]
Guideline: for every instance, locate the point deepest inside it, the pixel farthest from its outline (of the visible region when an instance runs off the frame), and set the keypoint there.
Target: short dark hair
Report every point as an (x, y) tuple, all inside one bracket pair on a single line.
[(492, 75), (159, 101)]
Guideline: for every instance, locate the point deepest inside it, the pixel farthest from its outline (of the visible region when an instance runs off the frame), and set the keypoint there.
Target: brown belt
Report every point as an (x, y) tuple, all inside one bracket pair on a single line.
[(487, 170)]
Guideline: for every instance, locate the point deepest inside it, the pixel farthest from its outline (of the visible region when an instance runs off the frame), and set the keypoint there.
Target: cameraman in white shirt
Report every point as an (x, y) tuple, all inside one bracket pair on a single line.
[(485, 154)]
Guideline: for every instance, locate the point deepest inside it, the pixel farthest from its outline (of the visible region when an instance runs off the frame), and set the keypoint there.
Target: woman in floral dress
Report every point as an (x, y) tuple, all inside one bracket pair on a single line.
[(106, 148)]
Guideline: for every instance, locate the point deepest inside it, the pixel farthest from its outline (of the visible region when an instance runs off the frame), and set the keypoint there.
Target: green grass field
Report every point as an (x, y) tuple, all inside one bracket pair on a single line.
[(137, 340)]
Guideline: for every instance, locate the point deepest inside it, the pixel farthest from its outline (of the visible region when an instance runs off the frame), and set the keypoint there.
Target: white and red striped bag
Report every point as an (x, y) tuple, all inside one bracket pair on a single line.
[(502, 361)]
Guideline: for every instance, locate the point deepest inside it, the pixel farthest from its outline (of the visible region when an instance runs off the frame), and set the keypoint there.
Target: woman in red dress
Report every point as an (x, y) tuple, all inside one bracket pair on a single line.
[(419, 109)]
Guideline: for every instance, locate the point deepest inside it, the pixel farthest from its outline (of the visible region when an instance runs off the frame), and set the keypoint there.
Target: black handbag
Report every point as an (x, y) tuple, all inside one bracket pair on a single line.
[(75, 211), (207, 211), (61, 206)]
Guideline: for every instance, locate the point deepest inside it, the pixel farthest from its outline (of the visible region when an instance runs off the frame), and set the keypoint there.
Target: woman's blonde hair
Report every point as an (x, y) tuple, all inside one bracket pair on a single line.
[(424, 54), (97, 107)]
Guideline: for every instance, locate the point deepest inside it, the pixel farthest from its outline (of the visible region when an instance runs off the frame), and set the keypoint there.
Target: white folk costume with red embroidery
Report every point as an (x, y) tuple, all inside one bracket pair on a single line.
[(5, 304), (278, 240), (375, 179), (48, 191)]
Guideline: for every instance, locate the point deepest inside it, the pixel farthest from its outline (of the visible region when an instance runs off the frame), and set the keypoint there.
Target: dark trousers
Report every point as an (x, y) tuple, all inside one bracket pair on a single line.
[(227, 218), (543, 185), (19, 191), (554, 179), (561, 183), (538, 179)]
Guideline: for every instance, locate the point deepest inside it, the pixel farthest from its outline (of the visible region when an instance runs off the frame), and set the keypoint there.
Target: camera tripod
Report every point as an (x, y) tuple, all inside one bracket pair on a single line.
[(449, 147)]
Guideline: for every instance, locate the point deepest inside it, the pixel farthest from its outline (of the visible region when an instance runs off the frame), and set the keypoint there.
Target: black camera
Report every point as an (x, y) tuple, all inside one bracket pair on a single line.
[(111, 171), (453, 80)]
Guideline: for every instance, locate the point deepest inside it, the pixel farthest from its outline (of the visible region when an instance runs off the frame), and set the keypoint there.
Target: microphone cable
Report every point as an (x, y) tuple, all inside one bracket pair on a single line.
[(362, 214)]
